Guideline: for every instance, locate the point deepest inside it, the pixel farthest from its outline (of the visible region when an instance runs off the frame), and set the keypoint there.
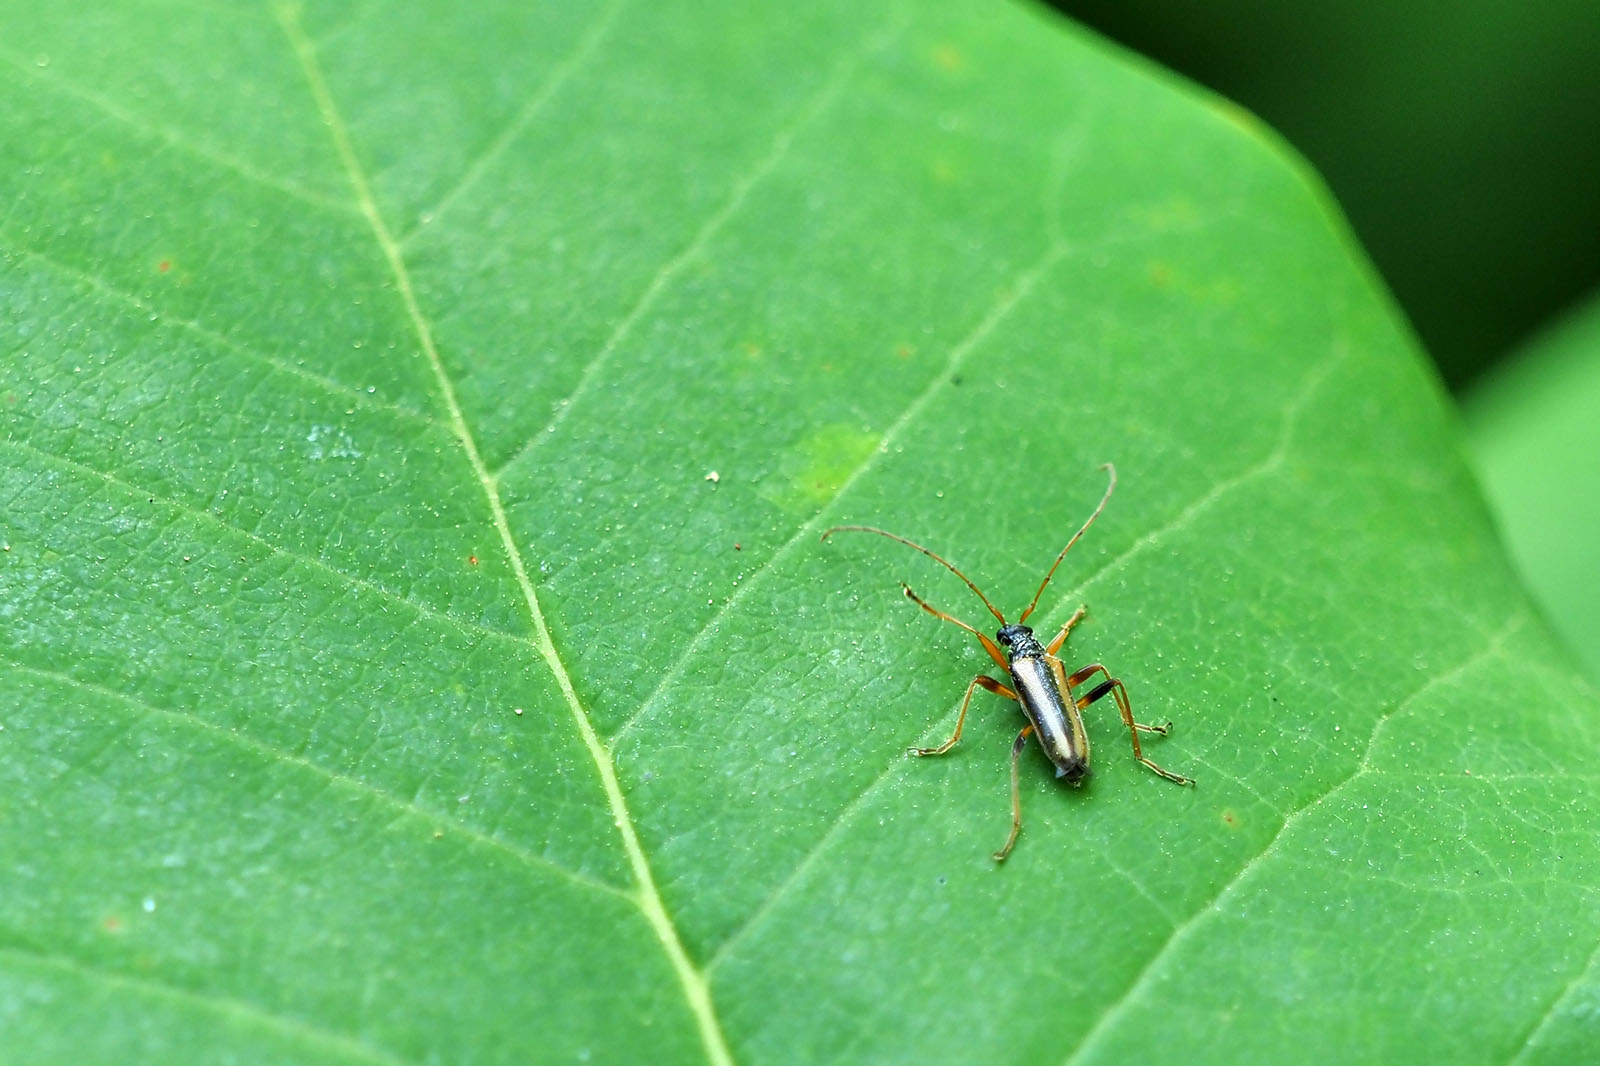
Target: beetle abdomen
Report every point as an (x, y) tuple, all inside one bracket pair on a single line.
[(1041, 689)]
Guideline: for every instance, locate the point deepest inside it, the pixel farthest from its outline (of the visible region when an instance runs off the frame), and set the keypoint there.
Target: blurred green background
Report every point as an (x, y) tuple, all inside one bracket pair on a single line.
[(1462, 140)]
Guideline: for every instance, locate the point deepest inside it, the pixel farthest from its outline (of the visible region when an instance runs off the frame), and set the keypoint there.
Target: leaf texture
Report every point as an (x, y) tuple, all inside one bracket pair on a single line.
[(414, 641)]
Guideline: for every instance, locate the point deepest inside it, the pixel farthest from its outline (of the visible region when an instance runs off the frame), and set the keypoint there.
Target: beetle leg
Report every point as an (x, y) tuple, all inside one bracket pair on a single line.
[(988, 645), (1061, 637), (1120, 693), (987, 682), (1016, 793)]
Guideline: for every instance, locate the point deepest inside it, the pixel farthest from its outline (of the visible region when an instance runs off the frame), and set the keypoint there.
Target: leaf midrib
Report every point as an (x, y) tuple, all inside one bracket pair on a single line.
[(647, 896)]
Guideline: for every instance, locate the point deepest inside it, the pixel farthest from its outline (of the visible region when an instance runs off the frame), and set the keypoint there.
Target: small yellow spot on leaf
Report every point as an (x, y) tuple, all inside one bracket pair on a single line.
[(949, 58)]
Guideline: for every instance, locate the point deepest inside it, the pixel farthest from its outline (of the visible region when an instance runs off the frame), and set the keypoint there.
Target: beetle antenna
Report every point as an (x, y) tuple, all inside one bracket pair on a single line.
[(937, 558), (1108, 468)]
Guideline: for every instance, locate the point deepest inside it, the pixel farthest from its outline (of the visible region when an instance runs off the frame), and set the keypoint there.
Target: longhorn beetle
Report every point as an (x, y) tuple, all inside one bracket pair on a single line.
[(1039, 681)]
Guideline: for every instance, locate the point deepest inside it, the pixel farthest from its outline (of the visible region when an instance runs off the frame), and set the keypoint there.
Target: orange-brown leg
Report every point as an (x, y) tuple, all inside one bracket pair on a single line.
[(987, 682), (1061, 637), (1016, 793), (1120, 693), (988, 645)]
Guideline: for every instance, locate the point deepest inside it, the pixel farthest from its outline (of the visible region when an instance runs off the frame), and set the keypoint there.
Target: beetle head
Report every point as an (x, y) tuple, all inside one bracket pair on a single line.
[(1019, 638)]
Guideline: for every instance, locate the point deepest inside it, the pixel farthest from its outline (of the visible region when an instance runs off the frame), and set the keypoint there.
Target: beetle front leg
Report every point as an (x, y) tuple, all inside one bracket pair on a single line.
[(987, 682), (1061, 637), (988, 645)]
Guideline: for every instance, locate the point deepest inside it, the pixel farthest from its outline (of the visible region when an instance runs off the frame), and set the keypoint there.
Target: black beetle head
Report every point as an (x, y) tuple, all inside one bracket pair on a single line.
[(1015, 637)]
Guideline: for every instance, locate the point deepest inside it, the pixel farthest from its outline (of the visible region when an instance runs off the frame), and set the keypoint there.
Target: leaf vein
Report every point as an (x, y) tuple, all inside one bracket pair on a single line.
[(466, 627), (336, 388), (1010, 296), (668, 272), (171, 137), (559, 75), (647, 896), (1269, 463), (1014, 294), (1549, 1013), (1491, 647), (223, 1005), (330, 778)]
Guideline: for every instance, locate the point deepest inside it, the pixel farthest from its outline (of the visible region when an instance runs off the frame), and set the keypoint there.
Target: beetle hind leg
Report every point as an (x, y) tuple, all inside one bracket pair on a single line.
[(1016, 793), (1115, 688)]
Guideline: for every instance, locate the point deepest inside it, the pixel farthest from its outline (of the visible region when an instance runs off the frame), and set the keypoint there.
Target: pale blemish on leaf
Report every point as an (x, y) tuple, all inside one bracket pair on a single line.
[(330, 442), (1198, 289), (812, 472), (1176, 213), (949, 58)]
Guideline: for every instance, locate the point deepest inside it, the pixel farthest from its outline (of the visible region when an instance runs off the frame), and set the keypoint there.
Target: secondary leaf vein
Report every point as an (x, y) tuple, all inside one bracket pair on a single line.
[(222, 1005), (1013, 295), (1109, 1017), (1267, 464), (348, 393), (530, 109), (782, 141), (170, 137), (1545, 1018), (408, 808), (466, 627)]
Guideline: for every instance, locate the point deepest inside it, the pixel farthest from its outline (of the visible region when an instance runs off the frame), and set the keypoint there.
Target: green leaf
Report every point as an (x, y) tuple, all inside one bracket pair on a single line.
[(418, 424)]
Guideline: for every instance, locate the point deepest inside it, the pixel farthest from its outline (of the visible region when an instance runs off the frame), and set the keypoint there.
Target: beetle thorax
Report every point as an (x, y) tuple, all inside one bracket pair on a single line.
[(1020, 642)]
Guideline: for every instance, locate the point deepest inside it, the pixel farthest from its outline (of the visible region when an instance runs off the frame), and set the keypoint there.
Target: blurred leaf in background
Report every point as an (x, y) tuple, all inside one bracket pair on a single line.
[(1460, 139), (1534, 425)]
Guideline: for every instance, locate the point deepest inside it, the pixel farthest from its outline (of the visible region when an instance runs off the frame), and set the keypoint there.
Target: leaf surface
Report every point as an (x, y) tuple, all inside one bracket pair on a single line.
[(418, 424)]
